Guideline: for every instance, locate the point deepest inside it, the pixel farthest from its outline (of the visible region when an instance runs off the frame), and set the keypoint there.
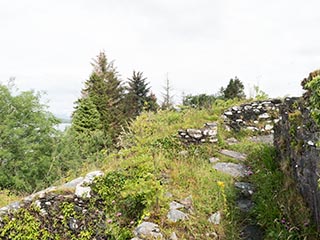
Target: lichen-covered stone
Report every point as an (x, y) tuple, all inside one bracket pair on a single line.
[(148, 231), (233, 169)]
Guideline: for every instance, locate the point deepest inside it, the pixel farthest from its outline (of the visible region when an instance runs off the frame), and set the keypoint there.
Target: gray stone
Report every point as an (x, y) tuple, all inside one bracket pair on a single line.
[(175, 215), (210, 125), (73, 183), (268, 127), (215, 218), (187, 202), (82, 188), (264, 116), (213, 160), (252, 232), (210, 132), (245, 188), (233, 169), (228, 113), (233, 154), (253, 129), (213, 140), (232, 141), (73, 224), (195, 133), (268, 139), (91, 176), (245, 205), (147, 231), (83, 192), (175, 205)]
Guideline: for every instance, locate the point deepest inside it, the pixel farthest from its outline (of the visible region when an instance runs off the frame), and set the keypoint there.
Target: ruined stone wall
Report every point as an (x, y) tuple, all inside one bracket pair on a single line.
[(257, 116), (295, 137), (207, 134)]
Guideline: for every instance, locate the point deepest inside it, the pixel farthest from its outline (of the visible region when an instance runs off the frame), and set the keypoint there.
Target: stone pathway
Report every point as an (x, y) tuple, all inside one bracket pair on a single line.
[(250, 229)]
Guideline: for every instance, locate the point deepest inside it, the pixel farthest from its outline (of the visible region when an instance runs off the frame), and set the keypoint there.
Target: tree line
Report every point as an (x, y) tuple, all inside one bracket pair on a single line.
[(33, 154)]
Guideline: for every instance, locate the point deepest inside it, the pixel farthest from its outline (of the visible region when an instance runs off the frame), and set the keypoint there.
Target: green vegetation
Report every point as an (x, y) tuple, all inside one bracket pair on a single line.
[(279, 208), (138, 97), (27, 142), (313, 96), (117, 129), (235, 89)]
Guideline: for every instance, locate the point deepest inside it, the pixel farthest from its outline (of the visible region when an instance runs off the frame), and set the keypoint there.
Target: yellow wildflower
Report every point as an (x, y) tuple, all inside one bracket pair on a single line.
[(220, 184)]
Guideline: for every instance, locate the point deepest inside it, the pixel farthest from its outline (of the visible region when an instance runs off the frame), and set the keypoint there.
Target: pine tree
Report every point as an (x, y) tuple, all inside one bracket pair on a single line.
[(86, 118), (106, 93), (138, 97), (235, 89)]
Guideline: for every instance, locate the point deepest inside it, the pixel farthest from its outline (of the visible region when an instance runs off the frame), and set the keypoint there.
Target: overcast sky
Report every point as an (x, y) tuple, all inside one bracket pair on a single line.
[(48, 44)]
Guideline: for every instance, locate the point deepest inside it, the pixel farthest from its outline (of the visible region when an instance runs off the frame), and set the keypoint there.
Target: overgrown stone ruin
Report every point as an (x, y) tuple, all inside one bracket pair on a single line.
[(257, 116), (207, 134), (296, 139)]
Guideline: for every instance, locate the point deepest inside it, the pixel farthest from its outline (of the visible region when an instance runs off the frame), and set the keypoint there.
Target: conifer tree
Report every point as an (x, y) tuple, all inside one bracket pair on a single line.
[(138, 97), (86, 117), (106, 93), (235, 89)]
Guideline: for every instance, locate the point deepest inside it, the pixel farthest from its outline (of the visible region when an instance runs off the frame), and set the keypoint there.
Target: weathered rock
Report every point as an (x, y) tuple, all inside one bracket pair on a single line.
[(215, 218), (232, 141), (73, 183), (214, 160), (148, 231), (233, 169), (175, 205), (304, 157), (268, 127), (82, 188), (175, 215), (264, 116), (252, 116), (195, 133), (252, 232), (187, 202), (245, 188), (208, 134), (233, 154), (268, 139), (244, 205)]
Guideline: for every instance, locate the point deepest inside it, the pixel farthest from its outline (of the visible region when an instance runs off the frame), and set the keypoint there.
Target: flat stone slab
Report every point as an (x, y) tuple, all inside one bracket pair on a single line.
[(175, 215), (215, 218), (148, 230), (245, 205), (267, 139), (246, 189), (214, 160), (234, 154), (175, 205), (233, 169), (252, 232)]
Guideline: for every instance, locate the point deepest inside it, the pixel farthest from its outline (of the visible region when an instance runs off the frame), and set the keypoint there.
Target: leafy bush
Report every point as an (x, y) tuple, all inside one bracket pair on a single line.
[(27, 142), (313, 96)]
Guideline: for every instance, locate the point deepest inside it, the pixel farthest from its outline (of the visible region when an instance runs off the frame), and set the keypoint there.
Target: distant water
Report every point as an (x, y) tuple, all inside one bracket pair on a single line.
[(63, 126)]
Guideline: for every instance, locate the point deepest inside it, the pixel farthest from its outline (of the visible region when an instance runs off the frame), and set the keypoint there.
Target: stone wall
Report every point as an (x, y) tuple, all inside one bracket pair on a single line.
[(207, 134), (258, 116), (295, 138)]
